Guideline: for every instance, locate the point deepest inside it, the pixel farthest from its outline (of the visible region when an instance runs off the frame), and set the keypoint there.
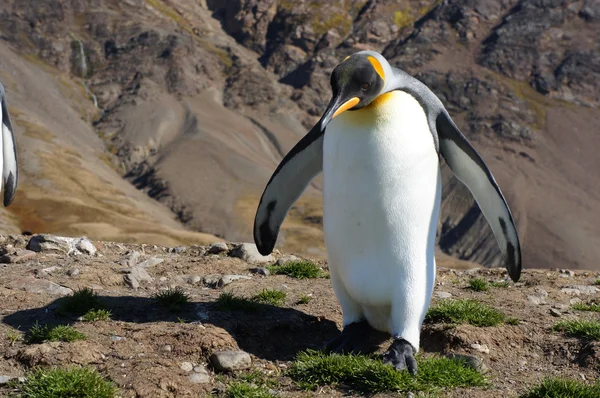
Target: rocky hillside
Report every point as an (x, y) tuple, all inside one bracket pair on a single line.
[(198, 101)]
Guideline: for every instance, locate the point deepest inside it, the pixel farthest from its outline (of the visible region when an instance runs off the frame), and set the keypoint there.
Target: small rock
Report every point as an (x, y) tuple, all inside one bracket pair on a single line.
[(178, 250), (218, 248), (166, 348), (481, 348), (571, 291), (5, 379), (575, 300), (260, 271), (443, 295), (18, 257), (50, 270), (34, 285), (228, 279), (83, 245), (49, 243), (535, 300), (555, 312), (212, 280), (248, 252), (287, 259), (231, 360), (116, 338), (193, 279), (186, 366), (139, 273), (586, 289), (199, 378), (472, 362), (73, 272), (151, 262), (131, 281), (130, 258), (200, 369)]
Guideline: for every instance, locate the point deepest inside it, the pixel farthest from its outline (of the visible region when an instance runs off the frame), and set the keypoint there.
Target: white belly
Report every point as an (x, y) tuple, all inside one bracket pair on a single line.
[(381, 198)]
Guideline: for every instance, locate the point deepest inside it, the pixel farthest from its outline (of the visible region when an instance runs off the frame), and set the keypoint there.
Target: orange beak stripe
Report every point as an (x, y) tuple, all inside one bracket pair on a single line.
[(346, 105)]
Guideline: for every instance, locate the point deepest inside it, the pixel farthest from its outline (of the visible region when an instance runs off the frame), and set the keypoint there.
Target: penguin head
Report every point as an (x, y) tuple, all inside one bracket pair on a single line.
[(356, 82)]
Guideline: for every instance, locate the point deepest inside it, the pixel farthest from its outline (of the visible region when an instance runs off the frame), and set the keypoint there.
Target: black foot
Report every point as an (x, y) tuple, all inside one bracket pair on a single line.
[(401, 356), (356, 338)]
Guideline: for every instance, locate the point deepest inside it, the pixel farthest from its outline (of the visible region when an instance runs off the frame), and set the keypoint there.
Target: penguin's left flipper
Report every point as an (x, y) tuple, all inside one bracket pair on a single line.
[(470, 168), (400, 355), (297, 169), (8, 152)]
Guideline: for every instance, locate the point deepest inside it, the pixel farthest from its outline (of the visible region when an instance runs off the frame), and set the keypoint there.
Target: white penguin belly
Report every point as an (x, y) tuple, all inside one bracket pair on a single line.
[(381, 198)]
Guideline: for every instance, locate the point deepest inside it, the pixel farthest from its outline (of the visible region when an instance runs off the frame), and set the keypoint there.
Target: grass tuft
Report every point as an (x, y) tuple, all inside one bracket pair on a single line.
[(79, 302), (478, 285), (14, 336), (500, 284), (580, 328), (563, 388), (586, 307), (173, 299), (304, 299), (270, 296), (229, 302), (313, 368), (67, 383), (246, 390), (465, 311), (96, 315), (40, 334), (597, 282), (298, 269)]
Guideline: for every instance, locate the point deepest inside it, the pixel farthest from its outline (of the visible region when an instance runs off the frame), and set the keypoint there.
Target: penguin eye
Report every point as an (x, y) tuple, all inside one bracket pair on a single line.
[(365, 86)]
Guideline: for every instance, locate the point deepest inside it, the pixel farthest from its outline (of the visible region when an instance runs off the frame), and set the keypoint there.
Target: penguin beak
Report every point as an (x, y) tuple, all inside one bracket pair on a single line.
[(336, 107)]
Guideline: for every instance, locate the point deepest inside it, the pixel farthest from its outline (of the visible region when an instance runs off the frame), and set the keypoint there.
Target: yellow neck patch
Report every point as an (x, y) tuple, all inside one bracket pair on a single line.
[(377, 66)]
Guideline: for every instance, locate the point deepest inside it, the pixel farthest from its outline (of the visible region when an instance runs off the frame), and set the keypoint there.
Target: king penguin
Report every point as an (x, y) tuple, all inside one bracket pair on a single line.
[(8, 152), (378, 145)]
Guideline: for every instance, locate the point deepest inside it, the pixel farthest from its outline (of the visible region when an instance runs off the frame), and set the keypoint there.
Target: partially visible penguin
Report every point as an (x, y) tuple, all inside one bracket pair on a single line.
[(8, 152), (378, 145)]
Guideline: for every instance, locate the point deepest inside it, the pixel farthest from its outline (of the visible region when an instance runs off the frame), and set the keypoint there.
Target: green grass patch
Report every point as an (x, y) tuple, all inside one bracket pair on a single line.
[(586, 307), (247, 390), (597, 282), (563, 388), (173, 299), (72, 382), (313, 368), (478, 285), (298, 269), (304, 299), (465, 311), (14, 336), (500, 284), (40, 334), (79, 302), (580, 328), (229, 302), (96, 315), (270, 296)]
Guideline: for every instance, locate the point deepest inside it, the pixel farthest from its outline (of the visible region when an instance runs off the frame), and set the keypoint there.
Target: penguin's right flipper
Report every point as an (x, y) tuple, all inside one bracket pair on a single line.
[(8, 152), (297, 169), (470, 168)]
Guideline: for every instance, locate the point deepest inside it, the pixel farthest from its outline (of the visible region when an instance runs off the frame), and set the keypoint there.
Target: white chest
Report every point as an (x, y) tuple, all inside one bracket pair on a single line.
[(381, 193)]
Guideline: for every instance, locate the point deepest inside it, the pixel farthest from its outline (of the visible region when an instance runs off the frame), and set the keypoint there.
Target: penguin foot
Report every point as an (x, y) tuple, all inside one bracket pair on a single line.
[(356, 338), (401, 356)]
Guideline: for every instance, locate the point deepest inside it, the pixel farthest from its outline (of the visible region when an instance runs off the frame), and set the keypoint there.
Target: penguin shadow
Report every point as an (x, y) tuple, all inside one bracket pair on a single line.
[(268, 332)]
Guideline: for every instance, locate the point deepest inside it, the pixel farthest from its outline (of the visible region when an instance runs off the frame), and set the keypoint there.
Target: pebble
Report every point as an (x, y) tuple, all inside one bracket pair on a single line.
[(5, 379), (286, 259), (199, 378), (260, 271), (166, 348), (73, 272), (218, 248), (231, 360), (130, 258), (481, 348), (136, 275), (443, 295), (193, 279), (178, 250), (248, 252), (116, 338), (535, 300), (18, 257), (186, 366), (228, 279), (211, 280), (151, 262), (555, 312), (50, 270), (34, 285), (470, 361), (575, 300)]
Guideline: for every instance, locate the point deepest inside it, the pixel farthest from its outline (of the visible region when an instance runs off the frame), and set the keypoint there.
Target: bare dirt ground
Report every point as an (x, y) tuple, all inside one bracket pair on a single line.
[(142, 348)]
